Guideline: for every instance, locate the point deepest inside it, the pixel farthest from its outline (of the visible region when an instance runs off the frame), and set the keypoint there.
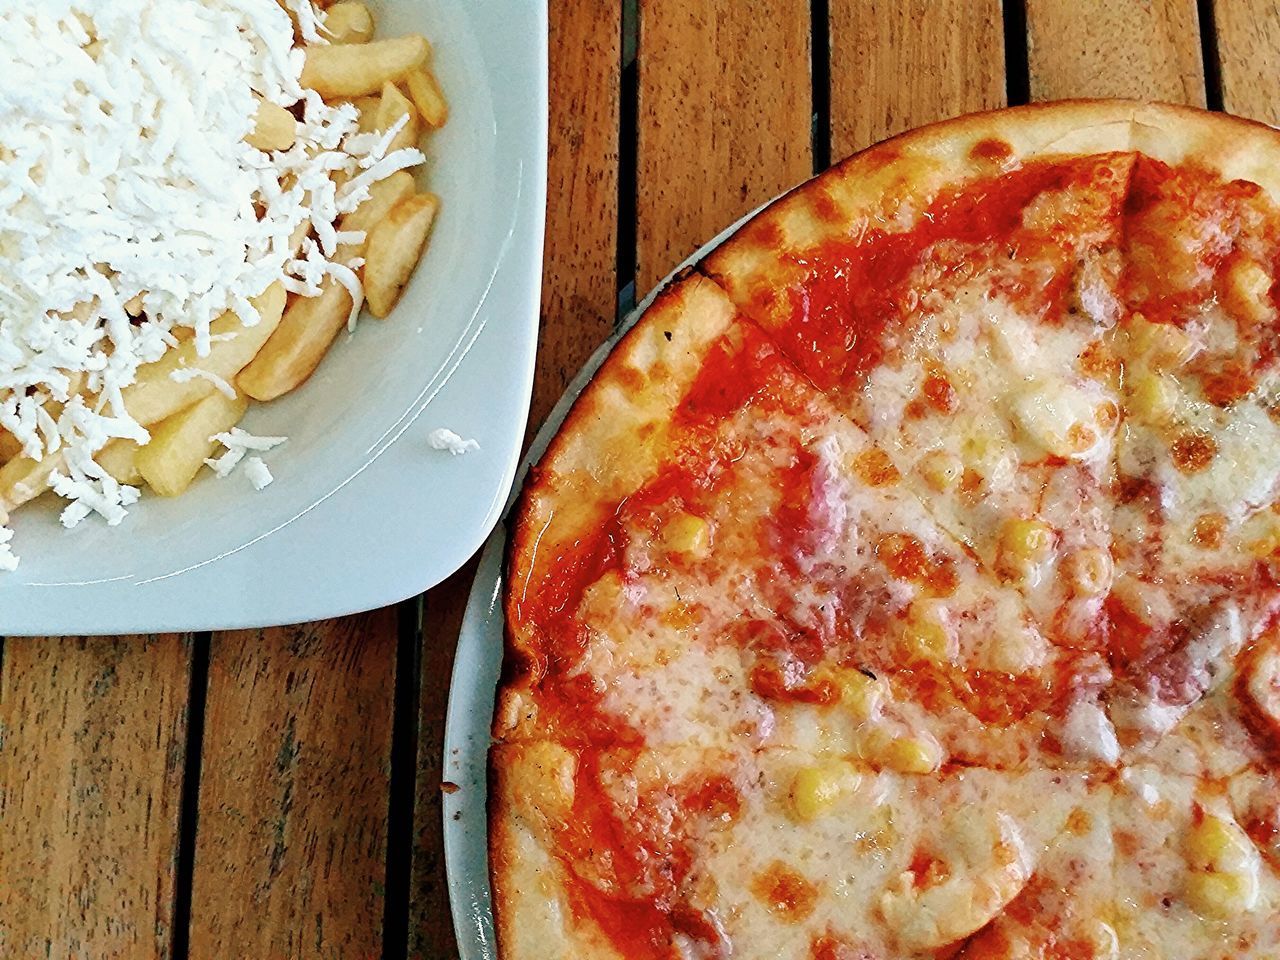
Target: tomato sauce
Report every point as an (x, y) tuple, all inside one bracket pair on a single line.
[(639, 863), (854, 292)]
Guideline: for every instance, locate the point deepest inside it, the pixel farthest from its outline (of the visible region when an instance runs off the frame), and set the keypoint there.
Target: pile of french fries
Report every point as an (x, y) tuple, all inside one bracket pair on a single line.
[(386, 80)]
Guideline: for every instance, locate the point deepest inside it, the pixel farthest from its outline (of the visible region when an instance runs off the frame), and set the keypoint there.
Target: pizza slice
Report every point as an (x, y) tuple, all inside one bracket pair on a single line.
[(1195, 528), (759, 576), (960, 318), (643, 853)]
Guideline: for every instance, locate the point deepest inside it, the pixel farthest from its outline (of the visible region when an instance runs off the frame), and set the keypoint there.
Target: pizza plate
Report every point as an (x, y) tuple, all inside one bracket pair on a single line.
[(478, 665), (363, 512)]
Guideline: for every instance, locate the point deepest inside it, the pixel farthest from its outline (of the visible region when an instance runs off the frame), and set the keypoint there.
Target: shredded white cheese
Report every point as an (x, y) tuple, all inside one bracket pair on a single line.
[(257, 473), (8, 560), (445, 439), (195, 373), (239, 442), (125, 178)]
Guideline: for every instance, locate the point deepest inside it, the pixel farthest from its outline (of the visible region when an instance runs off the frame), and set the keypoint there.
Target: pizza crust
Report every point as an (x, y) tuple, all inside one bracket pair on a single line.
[(609, 444), (889, 184), (530, 795)]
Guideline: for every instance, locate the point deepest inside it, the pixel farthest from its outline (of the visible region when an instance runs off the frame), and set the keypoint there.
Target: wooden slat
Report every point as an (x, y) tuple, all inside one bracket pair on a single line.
[(291, 840), (724, 119), (1148, 49), (579, 301), (430, 922), (92, 738), (579, 287), (1248, 33), (895, 66)]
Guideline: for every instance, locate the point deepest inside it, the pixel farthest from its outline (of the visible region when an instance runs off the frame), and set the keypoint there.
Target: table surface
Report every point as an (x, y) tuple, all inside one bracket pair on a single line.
[(276, 793)]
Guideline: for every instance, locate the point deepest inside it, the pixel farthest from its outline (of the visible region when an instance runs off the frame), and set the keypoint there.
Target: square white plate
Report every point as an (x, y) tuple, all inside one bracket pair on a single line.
[(363, 512)]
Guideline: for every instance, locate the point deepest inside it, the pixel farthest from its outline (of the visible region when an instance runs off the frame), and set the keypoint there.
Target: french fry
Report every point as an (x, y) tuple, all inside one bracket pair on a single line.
[(9, 446), (119, 458), (299, 343), (274, 128), (180, 444), (155, 396), (348, 22), (356, 69), (426, 93), (383, 196), (310, 324), (394, 248), (391, 108), (368, 107), (23, 479)]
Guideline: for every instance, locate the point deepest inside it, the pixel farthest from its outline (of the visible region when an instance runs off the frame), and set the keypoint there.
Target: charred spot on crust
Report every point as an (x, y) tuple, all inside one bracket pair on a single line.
[(991, 150)]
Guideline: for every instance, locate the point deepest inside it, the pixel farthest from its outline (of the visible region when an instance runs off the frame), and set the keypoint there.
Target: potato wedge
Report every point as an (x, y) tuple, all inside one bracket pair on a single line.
[(299, 343), (356, 69), (391, 108), (155, 397), (274, 128), (180, 444), (9, 446), (23, 479), (368, 107), (426, 93), (118, 458), (394, 248), (348, 22), (383, 197)]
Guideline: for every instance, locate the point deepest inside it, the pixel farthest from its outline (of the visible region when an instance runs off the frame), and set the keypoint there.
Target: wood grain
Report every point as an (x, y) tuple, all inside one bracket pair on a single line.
[(579, 289), (291, 839), (430, 923), (579, 303), (1248, 36), (724, 119), (1148, 49), (895, 66), (92, 740)]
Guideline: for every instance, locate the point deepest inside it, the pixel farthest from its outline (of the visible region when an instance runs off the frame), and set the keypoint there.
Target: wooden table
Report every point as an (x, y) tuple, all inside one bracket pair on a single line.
[(274, 794)]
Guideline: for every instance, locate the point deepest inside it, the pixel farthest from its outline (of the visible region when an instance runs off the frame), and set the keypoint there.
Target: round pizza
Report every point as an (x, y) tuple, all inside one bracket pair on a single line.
[(906, 583)]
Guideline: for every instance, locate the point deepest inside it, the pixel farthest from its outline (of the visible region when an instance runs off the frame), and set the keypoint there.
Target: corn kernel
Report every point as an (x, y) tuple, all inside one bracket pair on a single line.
[(1217, 844), (941, 470), (1221, 896), (1162, 345), (1023, 544), (815, 790), (1090, 569), (859, 693), (1153, 398), (1029, 540), (688, 534), (1245, 293), (903, 754), (925, 635)]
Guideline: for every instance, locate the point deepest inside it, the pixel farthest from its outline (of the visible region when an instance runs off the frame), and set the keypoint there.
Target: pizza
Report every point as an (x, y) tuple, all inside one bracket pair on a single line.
[(906, 583)]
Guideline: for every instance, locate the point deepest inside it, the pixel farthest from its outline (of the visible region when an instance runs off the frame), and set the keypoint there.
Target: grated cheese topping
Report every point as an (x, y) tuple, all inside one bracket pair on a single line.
[(238, 443), (257, 473), (444, 439), (130, 205)]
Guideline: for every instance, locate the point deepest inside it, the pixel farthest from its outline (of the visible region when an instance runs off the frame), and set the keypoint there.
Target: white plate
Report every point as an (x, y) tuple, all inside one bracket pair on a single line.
[(363, 513), (476, 668)]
